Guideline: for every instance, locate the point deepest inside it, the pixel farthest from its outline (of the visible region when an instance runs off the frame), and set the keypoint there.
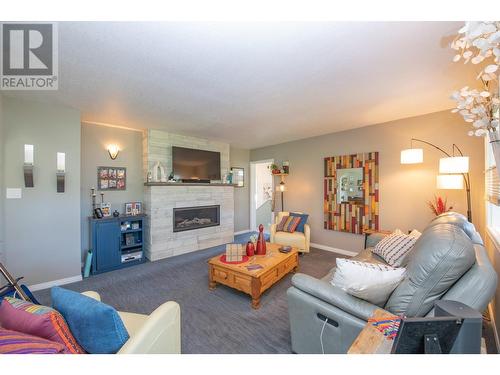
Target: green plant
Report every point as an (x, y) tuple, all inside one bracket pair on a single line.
[(274, 168)]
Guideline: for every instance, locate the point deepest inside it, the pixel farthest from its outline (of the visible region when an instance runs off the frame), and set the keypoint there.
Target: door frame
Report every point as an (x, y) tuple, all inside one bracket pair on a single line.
[(253, 209)]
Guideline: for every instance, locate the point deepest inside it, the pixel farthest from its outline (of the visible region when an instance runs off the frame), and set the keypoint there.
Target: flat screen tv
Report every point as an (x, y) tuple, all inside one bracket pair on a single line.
[(195, 165)]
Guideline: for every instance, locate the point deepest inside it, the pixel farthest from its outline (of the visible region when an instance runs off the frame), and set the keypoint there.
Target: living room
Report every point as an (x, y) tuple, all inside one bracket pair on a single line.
[(298, 187)]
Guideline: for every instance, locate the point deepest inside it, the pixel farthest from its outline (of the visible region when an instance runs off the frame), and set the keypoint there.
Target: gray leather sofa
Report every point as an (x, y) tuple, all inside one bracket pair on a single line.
[(448, 262)]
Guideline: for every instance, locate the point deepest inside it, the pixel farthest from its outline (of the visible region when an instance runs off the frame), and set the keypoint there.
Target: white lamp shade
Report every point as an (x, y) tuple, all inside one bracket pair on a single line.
[(412, 156), (450, 181), (456, 164)]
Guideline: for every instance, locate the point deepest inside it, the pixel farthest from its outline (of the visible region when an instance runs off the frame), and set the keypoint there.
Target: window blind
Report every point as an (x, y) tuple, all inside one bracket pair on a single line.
[(493, 186)]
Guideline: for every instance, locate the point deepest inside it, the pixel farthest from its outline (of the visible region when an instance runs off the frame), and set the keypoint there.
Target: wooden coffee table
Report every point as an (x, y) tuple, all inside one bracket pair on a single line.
[(275, 266)]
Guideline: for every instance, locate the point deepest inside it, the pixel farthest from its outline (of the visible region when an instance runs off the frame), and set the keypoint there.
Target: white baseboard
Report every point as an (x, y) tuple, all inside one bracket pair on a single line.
[(333, 249), (494, 326), (242, 232), (50, 284)]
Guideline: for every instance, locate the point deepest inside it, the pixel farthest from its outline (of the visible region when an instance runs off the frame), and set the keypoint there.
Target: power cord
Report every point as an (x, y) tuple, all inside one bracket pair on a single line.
[(321, 336)]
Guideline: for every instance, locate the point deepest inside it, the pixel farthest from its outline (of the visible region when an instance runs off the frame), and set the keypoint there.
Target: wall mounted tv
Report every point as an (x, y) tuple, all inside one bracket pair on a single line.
[(192, 165)]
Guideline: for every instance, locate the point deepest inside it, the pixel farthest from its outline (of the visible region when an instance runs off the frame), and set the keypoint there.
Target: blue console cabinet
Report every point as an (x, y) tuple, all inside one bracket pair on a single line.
[(116, 242)]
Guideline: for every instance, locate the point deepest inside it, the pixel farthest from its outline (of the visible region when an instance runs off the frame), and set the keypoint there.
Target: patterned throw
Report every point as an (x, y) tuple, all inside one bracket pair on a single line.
[(12, 342), (37, 320), (388, 327), (288, 224), (394, 248)]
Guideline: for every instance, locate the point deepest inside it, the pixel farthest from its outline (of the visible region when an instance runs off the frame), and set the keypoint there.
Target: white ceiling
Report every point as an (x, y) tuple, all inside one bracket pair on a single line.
[(255, 84)]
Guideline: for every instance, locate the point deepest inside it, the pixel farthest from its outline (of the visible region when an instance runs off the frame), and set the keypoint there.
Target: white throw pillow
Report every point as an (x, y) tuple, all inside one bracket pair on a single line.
[(394, 248), (415, 233), (369, 281)]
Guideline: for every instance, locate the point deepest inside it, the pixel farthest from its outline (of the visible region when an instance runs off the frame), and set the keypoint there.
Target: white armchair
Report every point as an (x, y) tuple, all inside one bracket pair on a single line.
[(157, 333), (295, 239)]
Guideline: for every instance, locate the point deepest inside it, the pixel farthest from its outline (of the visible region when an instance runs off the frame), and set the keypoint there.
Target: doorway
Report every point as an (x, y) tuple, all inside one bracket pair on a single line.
[(261, 194)]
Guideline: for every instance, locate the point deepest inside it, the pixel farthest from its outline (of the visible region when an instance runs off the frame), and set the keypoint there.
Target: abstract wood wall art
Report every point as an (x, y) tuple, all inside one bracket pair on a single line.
[(349, 213)]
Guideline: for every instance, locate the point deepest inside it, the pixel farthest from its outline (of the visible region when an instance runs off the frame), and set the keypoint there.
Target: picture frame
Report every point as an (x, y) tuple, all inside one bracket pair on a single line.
[(133, 208), (111, 178), (106, 209), (137, 208), (238, 176)]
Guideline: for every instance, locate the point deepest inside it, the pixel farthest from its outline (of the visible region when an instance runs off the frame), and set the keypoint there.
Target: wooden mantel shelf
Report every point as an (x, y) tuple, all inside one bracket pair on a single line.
[(186, 184)]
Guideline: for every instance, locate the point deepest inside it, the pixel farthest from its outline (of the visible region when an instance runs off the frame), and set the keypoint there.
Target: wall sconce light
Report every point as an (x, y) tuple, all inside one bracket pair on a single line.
[(28, 165), (61, 171), (113, 151)]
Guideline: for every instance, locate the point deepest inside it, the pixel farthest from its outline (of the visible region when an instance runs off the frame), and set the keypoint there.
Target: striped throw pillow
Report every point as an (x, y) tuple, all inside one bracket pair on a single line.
[(41, 321), (12, 342), (394, 248), (288, 224)]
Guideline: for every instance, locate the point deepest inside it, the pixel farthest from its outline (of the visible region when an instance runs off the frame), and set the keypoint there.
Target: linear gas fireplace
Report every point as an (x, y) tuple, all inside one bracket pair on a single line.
[(189, 218)]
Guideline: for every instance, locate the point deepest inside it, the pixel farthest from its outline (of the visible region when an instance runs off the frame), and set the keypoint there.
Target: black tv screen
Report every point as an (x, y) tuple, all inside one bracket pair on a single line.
[(191, 164)]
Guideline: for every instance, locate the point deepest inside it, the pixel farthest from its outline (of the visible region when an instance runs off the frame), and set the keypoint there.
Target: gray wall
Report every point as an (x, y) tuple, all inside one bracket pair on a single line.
[(42, 230), (95, 140), (241, 158), (2, 189), (404, 189)]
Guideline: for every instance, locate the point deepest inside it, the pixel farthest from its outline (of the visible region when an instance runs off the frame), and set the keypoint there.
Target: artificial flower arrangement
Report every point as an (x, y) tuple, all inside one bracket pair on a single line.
[(479, 43), (439, 205)]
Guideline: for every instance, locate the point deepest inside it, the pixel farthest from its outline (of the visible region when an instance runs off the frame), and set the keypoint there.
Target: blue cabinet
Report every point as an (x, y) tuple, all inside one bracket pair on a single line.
[(116, 242)]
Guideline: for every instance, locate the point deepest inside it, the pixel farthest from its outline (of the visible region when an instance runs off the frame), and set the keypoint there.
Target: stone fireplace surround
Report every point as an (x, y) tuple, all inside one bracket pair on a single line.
[(160, 200)]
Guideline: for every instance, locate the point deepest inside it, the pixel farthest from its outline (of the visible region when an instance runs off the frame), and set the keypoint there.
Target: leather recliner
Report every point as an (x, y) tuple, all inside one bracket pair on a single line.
[(448, 262)]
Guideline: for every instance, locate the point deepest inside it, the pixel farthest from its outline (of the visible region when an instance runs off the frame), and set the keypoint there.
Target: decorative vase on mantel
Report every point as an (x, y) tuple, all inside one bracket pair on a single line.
[(158, 173)]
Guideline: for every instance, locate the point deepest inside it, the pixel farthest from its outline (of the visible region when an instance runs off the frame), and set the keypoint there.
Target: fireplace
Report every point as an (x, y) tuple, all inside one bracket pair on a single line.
[(189, 218)]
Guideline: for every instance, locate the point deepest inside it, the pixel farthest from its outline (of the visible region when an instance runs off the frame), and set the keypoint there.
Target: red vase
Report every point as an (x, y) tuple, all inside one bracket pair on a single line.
[(250, 249), (261, 242)]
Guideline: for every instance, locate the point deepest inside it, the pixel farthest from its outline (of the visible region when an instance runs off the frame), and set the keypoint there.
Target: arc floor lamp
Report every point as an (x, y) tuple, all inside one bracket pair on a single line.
[(453, 170)]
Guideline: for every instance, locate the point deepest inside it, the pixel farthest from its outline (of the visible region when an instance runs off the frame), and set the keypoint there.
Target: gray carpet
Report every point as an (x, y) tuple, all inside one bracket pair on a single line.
[(219, 321)]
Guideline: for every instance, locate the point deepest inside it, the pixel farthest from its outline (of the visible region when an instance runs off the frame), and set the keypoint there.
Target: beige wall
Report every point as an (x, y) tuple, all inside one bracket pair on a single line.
[(404, 189), (95, 140)]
